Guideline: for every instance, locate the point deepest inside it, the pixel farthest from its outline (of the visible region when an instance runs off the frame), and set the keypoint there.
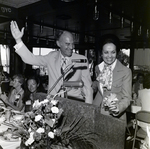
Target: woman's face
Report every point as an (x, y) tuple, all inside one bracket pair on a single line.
[(32, 85), (109, 53), (15, 83)]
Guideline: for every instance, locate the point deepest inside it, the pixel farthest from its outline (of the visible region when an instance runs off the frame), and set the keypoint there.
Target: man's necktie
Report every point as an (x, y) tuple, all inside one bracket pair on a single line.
[(63, 64)]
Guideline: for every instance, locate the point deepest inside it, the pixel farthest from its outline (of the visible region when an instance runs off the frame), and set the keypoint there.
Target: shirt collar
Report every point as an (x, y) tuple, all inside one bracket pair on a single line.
[(62, 57)]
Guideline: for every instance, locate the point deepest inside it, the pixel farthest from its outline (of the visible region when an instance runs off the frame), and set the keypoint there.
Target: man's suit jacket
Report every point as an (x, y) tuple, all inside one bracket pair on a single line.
[(53, 63), (121, 86)]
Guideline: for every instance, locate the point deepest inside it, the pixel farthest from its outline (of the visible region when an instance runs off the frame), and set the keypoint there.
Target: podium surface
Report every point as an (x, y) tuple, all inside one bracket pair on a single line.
[(110, 130)]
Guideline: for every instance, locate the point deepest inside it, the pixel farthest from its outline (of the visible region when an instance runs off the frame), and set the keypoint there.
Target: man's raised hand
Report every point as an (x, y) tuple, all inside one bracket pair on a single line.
[(16, 33)]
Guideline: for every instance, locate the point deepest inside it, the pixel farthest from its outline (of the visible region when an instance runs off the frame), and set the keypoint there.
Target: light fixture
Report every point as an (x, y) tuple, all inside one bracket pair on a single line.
[(147, 33), (41, 27), (132, 26), (85, 39), (67, 1), (140, 30), (28, 38), (26, 24), (122, 20), (5, 34), (96, 12), (110, 14), (110, 17), (47, 42), (37, 40)]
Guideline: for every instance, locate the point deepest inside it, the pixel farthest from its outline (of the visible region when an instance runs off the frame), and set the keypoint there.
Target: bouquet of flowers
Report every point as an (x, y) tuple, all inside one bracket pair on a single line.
[(108, 100), (39, 125), (46, 128)]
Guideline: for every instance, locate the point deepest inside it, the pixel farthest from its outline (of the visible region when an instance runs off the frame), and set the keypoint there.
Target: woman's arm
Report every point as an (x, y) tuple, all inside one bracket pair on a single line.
[(124, 97), (7, 101), (20, 102)]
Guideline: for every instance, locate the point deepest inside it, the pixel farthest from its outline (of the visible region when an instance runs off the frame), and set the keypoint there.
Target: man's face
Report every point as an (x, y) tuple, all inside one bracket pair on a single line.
[(32, 85), (66, 44), (140, 79)]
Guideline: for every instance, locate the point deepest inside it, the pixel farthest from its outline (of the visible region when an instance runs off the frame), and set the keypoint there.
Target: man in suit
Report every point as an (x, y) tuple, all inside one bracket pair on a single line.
[(53, 62)]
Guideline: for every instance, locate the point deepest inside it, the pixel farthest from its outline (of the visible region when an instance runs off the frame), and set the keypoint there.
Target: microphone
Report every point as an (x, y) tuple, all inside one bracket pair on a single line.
[(73, 84), (79, 60)]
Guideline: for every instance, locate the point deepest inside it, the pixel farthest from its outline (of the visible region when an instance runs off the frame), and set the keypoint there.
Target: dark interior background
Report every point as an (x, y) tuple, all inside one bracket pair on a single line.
[(88, 20)]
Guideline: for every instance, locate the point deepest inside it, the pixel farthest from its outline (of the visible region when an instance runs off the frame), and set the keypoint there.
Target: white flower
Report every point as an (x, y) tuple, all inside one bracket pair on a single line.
[(38, 118), (36, 104), (2, 119), (48, 96), (40, 130), (53, 120), (54, 102), (44, 101), (29, 130), (30, 140), (55, 110), (51, 134)]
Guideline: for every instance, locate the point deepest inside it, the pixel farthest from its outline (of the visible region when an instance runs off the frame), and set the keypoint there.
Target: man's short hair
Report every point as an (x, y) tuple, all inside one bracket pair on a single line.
[(58, 34)]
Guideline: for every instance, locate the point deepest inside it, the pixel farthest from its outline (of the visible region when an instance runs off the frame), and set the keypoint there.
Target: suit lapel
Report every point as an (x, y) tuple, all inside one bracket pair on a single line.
[(57, 63)]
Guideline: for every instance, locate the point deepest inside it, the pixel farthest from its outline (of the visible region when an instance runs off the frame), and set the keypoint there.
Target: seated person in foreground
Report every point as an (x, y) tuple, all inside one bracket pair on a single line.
[(33, 92), (138, 85), (14, 100), (143, 99), (114, 81)]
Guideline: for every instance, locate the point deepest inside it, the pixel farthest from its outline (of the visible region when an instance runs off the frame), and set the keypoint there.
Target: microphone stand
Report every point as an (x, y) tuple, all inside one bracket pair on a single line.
[(67, 69)]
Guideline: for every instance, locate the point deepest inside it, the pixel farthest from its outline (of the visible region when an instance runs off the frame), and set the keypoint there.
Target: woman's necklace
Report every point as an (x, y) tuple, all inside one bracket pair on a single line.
[(17, 95)]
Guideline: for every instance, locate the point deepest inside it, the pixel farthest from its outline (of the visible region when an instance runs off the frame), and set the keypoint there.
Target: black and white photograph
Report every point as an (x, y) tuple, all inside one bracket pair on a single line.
[(74, 74)]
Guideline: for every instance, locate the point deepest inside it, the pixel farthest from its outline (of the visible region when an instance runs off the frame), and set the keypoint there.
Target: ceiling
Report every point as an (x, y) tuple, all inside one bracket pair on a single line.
[(128, 19)]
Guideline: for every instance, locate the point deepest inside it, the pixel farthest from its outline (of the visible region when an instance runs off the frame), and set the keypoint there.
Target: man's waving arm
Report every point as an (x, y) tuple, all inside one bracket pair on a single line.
[(16, 33), (21, 48)]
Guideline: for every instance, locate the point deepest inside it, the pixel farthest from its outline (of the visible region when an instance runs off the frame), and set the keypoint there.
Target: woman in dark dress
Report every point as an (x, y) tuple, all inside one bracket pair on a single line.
[(34, 91)]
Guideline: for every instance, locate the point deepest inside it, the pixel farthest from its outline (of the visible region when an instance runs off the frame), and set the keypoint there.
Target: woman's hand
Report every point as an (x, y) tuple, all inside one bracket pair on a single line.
[(114, 108), (16, 33)]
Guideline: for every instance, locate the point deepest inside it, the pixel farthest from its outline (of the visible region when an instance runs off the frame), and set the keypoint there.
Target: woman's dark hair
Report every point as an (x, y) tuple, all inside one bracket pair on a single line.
[(110, 38), (33, 78), (40, 87), (140, 75)]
